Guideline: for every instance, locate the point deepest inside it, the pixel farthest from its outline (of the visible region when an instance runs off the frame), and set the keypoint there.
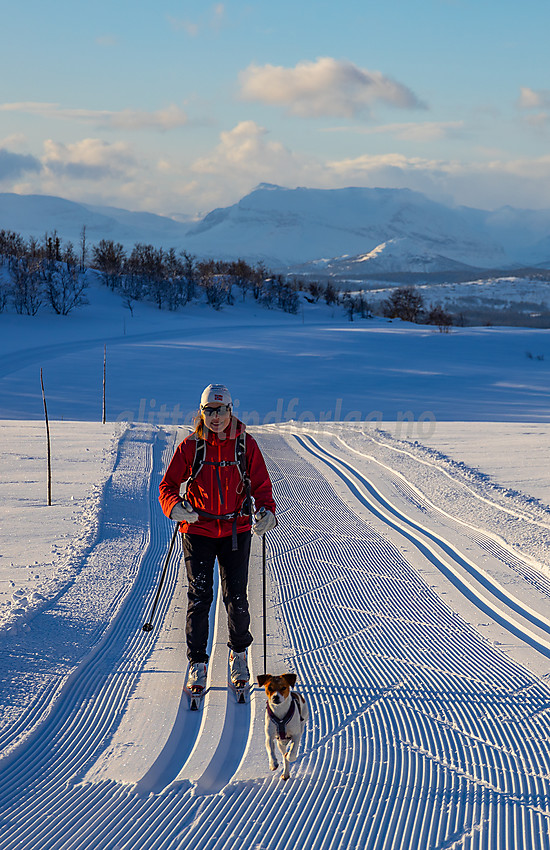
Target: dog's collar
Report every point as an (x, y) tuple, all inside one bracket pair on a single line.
[(283, 722)]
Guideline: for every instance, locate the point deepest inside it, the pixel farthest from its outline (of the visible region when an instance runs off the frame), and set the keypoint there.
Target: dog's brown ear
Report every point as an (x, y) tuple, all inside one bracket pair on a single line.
[(290, 678), (262, 680)]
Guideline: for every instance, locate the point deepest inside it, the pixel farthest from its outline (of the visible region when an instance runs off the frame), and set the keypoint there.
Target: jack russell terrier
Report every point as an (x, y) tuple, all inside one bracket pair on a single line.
[(285, 718)]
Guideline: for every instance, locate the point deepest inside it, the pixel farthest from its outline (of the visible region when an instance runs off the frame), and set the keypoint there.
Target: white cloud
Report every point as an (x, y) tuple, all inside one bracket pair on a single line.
[(246, 156), (96, 171), (326, 87), (391, 170), (169, 118), (15, 141), (89, 159), (531, 99), (247, 149), (485, 183), (426, 131), (366, 163), (529, 169), (244, 147)]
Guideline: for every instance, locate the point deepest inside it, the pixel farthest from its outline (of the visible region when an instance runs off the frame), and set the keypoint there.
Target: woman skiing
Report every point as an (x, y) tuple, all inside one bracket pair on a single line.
[(224, 470)]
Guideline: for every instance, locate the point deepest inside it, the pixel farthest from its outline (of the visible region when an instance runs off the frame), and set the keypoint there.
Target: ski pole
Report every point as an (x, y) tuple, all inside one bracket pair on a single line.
[(264, 602), (262, 512), (148, 626)]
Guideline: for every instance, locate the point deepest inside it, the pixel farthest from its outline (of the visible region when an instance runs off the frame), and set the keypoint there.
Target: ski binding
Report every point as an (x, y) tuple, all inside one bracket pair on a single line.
[(242, 689), (196, 698)]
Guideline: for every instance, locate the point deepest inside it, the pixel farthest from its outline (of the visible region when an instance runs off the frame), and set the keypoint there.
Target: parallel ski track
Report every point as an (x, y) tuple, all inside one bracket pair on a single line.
[(41, 801), (440, 726), (493, 593), (422, 736)]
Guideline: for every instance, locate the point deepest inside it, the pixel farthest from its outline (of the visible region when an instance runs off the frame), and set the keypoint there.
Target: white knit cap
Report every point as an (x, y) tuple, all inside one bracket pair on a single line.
[(215, 394)]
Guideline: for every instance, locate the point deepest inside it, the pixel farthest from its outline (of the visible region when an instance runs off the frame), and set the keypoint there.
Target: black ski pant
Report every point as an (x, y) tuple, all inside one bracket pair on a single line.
[(200, 553)]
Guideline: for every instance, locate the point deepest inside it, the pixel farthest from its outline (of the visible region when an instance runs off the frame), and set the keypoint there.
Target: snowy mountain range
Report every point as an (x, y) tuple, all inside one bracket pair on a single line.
[(342, 231)]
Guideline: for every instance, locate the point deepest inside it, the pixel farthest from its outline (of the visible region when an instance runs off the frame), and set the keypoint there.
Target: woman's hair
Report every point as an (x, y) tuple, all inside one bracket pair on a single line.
[(200, 427)]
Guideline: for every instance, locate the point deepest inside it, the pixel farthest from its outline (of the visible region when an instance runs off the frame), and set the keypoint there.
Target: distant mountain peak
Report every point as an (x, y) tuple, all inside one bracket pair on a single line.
[(269, 187), (288, 229)]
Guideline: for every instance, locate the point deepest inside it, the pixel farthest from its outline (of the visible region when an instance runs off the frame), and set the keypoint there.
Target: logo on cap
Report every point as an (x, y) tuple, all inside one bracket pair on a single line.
[(218, 397)]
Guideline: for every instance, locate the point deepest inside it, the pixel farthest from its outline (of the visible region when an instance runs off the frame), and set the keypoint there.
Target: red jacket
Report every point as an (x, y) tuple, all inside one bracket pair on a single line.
[(204, 491)]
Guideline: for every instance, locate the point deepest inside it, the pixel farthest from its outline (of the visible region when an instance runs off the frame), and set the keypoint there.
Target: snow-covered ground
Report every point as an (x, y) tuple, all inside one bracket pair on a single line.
[(483, 301), (40, 543), (512, 456), (408, 588), (314, 365)]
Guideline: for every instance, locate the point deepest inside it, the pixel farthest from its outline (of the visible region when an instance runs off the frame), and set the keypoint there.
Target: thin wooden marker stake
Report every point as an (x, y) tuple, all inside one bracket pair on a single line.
[(104, 382), (49, 441)]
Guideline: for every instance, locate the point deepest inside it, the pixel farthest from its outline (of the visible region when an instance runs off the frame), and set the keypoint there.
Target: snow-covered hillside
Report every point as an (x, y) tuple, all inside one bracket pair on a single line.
[(524, 234), (317, 365), (395, 255), (291, 227), (35, 215)]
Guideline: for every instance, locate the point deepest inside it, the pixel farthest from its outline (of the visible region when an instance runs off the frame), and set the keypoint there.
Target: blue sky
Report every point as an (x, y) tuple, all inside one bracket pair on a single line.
[(180, 107)]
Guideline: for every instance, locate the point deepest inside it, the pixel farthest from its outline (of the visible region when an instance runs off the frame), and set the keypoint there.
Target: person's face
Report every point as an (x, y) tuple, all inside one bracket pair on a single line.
[(216, 417)]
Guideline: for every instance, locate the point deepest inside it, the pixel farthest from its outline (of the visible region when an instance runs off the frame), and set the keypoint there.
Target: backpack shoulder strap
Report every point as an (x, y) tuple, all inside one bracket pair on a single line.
[(240, 454), (198, 462), (200, 457), (240, 457)]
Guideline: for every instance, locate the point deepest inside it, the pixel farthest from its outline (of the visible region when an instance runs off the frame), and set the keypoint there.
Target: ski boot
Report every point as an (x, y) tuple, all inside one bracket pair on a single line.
[(196, 682), (239, 673)]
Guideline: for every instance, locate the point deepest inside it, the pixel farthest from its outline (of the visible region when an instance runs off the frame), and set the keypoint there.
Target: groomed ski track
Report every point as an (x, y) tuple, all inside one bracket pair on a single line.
[(423, 733)]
